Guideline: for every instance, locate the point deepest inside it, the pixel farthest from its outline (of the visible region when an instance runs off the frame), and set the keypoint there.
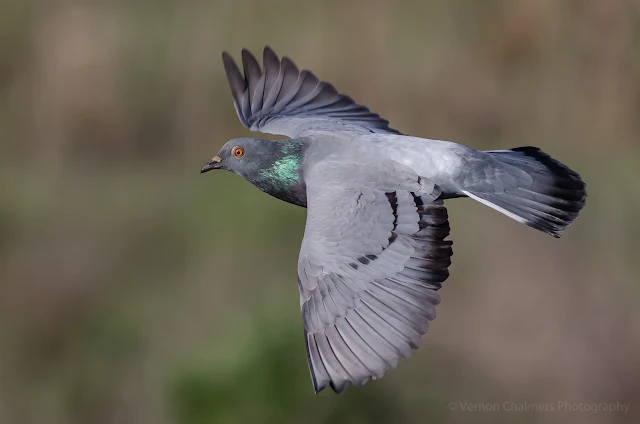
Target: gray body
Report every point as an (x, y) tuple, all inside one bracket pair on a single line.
[(374, 253), (441, 162)]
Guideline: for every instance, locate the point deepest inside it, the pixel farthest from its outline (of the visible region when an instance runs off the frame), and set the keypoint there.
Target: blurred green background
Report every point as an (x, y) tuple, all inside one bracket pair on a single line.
[(134, 289)]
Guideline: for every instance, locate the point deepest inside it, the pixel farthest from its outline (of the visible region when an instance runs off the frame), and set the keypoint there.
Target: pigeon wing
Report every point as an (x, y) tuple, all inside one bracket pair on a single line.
[(280, 99), (371, 263)]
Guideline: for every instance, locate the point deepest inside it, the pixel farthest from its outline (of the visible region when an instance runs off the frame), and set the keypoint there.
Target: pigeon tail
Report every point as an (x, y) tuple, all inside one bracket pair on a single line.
[(550, 200)]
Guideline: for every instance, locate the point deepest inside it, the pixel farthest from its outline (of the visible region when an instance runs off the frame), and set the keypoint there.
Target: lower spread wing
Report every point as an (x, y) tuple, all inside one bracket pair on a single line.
[(372, 260)]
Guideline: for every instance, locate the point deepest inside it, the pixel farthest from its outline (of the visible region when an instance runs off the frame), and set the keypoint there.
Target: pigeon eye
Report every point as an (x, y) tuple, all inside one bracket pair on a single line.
[(238, 152)]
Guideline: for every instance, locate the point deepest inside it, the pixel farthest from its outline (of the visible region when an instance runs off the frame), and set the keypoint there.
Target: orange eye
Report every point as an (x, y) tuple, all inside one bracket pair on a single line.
[(238, 152)]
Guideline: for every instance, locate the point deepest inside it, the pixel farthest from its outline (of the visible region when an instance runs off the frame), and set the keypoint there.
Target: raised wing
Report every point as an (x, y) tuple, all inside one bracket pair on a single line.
[(282, 100), (372, 260)]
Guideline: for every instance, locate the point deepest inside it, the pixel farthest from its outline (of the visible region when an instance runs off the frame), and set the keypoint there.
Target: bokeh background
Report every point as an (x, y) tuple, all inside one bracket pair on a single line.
[(134, 289)]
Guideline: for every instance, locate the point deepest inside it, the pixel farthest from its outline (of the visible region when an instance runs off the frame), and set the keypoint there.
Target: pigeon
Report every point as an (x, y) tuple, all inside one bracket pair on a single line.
[(374, 253)]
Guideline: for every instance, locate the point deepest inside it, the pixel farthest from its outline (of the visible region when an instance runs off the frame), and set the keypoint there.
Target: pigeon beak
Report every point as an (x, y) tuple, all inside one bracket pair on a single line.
[(214, 163)]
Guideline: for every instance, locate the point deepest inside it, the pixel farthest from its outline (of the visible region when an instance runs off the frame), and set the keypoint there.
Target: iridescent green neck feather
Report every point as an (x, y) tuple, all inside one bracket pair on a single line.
[(284, 172), (283, 177)]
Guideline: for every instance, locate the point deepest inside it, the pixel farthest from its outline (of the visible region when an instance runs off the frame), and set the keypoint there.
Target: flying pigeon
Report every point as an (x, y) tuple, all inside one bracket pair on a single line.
[(374, 253)]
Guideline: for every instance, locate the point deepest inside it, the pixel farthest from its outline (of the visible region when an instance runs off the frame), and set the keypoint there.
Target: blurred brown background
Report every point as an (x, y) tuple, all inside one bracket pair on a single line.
[(134, 289)]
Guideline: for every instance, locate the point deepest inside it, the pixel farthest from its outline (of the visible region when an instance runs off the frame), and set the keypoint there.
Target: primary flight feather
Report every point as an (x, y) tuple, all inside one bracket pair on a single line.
[(374, 253)]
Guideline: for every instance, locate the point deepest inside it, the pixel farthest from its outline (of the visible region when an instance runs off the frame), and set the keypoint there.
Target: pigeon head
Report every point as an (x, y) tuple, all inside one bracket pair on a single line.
[(273, 166)]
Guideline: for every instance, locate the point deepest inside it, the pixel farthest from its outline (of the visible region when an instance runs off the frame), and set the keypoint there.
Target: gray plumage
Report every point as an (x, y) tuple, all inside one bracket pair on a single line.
[(282, 100), (374, 253)]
